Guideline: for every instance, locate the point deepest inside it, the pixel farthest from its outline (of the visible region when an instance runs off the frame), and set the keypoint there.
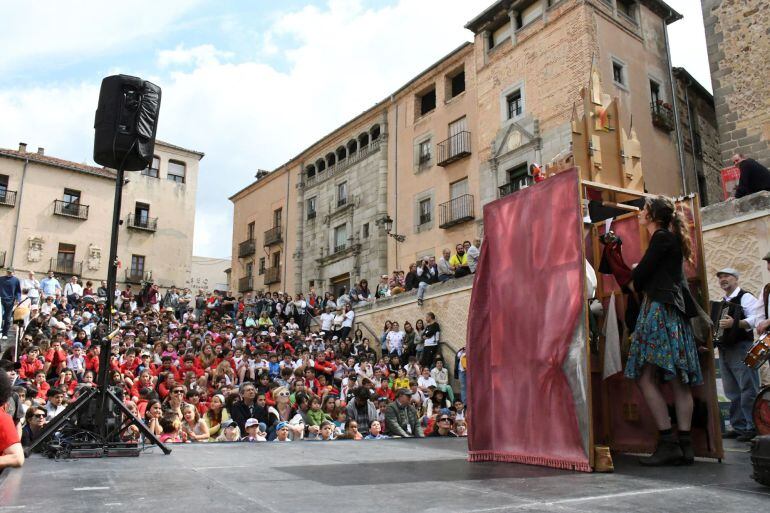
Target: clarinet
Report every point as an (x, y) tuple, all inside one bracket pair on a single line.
[(723, 314)]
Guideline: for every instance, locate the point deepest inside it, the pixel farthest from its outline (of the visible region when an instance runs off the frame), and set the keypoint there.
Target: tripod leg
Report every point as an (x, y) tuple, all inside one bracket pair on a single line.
[(138, 423), (63, 417)]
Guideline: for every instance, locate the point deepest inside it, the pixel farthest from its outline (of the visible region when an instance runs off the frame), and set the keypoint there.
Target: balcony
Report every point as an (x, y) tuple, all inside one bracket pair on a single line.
[(70, 209), (247, 248), (2, 258), (662, 115), (246, 284), (339, 248), (66, 267), (456, 211), (425, 219), (455, 148), (147, 224), (7, 198), (272, 275), (138, 276), (273, 235), (311, 215)]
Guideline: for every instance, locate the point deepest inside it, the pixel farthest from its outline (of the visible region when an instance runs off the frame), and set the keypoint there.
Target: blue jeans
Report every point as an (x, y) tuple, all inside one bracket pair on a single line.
[(741, 385), (7, 315), (462, 386), (421, 290)]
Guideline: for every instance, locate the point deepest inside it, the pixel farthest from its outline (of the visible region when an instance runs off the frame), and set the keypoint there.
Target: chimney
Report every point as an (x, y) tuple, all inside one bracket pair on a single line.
[(22, 147), (40, 151)]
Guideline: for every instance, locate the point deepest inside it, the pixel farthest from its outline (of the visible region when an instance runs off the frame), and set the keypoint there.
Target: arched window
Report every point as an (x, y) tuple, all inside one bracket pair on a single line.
[(375, 132), (363, 140), (352, 146), (342, 153), (310, 171), (331, 159), (320, 165)]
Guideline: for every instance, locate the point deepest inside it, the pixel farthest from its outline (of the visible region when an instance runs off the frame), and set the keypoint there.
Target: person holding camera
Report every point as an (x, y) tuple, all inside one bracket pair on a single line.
[(427, 274)]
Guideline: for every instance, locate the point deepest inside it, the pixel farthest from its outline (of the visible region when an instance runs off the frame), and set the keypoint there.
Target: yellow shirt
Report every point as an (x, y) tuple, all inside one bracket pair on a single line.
[(401, 383), (457, 262)]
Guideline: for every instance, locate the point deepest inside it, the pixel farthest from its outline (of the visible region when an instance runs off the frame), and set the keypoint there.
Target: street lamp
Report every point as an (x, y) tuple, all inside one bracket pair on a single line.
[(389, 227)]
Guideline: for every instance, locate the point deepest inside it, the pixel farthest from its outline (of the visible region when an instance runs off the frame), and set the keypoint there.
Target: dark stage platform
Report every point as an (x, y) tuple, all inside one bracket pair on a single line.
[(392, 475)]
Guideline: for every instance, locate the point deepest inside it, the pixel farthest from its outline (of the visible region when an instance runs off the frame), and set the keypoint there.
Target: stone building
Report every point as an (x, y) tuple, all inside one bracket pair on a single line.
[(738, 47), (56, 215), (700, 138), (410, 176)]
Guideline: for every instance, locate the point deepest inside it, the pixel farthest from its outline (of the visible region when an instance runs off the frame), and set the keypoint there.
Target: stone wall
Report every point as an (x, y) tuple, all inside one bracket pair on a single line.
[(736, 234), (738, 44)]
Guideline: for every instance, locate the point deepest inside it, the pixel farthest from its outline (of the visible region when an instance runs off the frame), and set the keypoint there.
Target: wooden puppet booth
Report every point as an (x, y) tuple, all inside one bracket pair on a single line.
[(545, 361)]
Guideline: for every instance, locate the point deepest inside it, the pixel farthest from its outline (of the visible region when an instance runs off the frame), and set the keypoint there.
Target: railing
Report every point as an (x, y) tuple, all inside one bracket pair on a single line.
[(70, 209), (246, 284), (456, 211), (360, 155), (311, 215), (2, 258), (247, 248), (662, 115), (7, 198), (456, 147), (340, 247), (65, 267), (424, 218), (424, 159), (138, 275), (149, 224), (272, 275), (273, 235), (342, 202)]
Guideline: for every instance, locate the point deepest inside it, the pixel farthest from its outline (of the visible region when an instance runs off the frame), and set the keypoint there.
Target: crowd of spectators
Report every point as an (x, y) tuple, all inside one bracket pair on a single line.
[(211, 367)]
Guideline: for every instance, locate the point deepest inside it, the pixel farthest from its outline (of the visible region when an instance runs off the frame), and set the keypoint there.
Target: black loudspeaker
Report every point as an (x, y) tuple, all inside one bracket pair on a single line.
[(126, 122)]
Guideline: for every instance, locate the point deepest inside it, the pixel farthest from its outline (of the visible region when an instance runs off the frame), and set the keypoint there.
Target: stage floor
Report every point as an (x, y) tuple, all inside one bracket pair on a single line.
[(392, 475)]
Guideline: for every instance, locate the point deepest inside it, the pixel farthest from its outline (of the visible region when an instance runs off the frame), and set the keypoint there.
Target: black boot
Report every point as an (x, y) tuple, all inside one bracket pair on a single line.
[(667, 452), (685, 443)]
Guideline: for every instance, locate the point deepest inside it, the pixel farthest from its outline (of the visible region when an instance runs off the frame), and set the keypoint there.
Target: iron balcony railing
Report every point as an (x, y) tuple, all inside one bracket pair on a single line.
[(340, 247), (662, 115), (341, 202), (246, 284), (273, 235), (456, 147), (66, 267), (311, 214), (7, 198), (424, 159), (70, 209), (149, 224), (424, 218), (138, 275), (246, 248), (2, 258), (272, 275), (456, 211)]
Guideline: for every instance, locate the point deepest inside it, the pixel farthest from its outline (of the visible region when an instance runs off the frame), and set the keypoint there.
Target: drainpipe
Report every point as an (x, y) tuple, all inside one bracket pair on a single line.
[(692, 136), (285, 222), (395, 177), (18, 212), (679, 143)]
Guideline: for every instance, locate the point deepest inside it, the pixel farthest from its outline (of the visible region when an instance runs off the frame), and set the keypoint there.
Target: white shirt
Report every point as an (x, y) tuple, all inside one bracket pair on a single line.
[(753, 309), (348, 321), (32, 287), (473, 257), (326, 321), (424, 382), (73, 288), (395, 341)]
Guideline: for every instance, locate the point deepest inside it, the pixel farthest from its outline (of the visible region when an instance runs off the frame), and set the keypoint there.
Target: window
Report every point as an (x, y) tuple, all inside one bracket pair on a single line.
[(3, 188), (153, 169), (531, 13), (518, 178), (456, 84), (427, 101), (277, 218), (137, 265), (261, 266), (654, 92), (176, 171), (65, 258), (141, 215), (311, 205), (627, 8), (423, 153), (250, 231), (71, 196), (275, 259), (250, 269), (619, 73), (425, 211), (499, 34), (365, 231), (342, 194), (515, 104), (340, 237)]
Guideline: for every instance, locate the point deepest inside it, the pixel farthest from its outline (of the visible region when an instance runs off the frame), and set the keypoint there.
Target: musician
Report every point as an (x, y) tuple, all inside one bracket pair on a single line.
[(741, 383), (764, 325), (663, 346)]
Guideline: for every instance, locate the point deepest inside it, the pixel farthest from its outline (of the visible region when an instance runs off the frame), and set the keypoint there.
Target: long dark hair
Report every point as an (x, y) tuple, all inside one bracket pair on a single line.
[(663, 211)]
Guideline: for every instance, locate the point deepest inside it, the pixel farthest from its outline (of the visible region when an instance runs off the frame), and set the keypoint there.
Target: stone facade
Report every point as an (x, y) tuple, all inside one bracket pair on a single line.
[(738, 45), (736, 234), (700, 138)]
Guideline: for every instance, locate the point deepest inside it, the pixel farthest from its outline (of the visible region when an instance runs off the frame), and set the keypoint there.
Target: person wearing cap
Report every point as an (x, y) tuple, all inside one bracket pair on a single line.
[(282, 432), (401, 416), (255, 431), (741, 383), (10, 296)]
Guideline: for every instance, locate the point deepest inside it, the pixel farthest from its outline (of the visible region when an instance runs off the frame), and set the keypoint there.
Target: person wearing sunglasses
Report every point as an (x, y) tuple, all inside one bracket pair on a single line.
[(443, 426), (35, 424)]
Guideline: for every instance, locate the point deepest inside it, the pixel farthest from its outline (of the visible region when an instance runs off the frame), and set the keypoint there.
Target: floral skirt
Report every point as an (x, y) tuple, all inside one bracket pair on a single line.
[(664, 338)]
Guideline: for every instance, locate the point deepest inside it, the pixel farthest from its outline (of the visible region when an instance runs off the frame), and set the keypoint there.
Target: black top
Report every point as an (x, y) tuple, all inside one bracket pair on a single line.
[(660, 274), (754, 178)]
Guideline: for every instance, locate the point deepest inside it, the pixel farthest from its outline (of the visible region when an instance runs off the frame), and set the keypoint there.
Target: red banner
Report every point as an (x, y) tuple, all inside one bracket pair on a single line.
[(730, 177)]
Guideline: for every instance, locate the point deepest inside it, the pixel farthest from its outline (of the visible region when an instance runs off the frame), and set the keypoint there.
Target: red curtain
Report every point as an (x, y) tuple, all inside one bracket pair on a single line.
[(526, 309)]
